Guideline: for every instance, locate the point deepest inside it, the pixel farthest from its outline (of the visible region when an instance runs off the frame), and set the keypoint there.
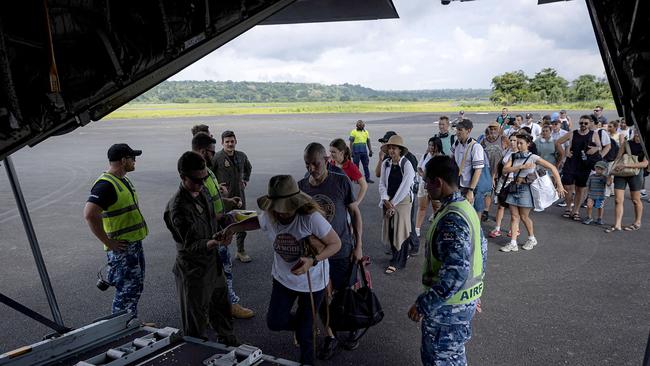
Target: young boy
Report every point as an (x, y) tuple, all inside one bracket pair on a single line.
[(596, 196)]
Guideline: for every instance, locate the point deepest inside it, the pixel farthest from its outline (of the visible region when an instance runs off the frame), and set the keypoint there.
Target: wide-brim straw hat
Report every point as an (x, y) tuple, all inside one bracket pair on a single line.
[(396, 140), (284, 195)]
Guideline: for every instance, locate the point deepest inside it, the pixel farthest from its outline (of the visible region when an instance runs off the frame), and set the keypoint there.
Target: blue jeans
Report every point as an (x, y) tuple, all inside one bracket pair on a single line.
[(279, 316), (365, 160), (126, 273), (226, 261)]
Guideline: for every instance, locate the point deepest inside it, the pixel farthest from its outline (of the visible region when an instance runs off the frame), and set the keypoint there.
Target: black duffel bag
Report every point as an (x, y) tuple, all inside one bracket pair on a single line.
[(352, 310)]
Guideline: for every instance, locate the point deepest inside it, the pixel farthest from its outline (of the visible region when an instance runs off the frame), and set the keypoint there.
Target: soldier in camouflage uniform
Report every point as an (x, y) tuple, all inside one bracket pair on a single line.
[(453, 270), (113, 215)]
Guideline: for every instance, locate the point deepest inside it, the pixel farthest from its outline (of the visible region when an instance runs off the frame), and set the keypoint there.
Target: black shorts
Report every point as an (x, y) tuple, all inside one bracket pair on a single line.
[(341, 273), (577, 177), (635, 183)]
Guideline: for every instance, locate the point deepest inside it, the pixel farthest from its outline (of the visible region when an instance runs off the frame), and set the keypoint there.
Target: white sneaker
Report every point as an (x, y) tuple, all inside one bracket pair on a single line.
[(529, 244), (417, 231), (511, 247)]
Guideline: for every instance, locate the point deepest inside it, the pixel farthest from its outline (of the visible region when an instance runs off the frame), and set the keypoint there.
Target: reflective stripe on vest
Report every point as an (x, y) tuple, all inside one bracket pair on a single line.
[(473, 286), (212, 185), (123, 219)]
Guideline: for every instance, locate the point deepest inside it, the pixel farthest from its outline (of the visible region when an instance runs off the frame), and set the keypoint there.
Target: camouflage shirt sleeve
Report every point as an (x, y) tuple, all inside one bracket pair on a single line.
[(451, 245)]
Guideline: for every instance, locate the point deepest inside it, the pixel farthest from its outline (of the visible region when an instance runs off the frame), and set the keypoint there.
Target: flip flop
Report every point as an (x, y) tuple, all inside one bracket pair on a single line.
[(390, 270), (612, 229), (567, 214), (633, 227), (576, 217)]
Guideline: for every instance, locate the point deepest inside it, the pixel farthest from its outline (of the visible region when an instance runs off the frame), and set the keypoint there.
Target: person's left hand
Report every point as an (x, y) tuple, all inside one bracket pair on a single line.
[(561, 191), (357, 253), (414, 315), (470, 197), (304, 263), (244, 184), (237, 202), (223, 189), (370, 153)]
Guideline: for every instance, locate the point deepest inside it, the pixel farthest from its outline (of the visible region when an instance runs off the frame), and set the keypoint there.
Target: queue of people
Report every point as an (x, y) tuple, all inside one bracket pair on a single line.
[(315, 225)]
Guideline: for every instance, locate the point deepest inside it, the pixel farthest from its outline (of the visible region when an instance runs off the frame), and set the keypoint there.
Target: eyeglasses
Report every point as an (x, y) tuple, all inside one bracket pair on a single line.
[(584, 123), (597, 110), (196, 180)]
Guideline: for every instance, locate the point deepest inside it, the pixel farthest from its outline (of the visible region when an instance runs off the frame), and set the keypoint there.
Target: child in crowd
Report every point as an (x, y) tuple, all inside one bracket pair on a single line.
[(596, 196)]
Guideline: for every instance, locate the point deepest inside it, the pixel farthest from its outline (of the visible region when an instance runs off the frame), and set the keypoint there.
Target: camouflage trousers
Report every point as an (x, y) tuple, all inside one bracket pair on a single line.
[(226, 261), (444, 334), (126, 273)]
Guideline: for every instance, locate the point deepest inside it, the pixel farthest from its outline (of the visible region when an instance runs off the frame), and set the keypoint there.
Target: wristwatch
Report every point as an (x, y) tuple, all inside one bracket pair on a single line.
[(470, 189), (313, 257)]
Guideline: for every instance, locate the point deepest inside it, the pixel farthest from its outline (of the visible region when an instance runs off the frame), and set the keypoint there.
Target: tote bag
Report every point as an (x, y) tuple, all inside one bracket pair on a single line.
[(544, 193)]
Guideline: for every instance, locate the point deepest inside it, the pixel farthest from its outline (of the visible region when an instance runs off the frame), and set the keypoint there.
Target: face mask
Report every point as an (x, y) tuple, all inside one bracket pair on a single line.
[(443, 135)]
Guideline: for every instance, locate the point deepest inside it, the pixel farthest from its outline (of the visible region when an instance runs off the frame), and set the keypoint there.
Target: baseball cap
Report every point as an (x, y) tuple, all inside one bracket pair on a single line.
[(601, 164), (529, 115), (555, 116), (119, 151), (388, 135), (466, 124)]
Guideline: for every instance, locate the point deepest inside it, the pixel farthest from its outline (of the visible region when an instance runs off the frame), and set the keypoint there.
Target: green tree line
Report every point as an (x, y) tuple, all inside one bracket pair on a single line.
[(509, 88), (244, 91), (547, 87)]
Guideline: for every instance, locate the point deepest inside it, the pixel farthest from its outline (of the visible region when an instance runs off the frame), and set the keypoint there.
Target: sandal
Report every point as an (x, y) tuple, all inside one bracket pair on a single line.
[(567, 214), (390, 270), (612, 229), (576, 217), (633, 227)]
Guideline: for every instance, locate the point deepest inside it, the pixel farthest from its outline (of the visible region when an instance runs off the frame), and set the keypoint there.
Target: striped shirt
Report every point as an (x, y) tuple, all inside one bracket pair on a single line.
[(596, 186)]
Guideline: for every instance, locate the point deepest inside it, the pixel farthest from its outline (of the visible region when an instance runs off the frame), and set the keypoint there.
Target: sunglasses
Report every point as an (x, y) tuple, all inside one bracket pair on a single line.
[(584, 123), (195, 180), (130, 157)]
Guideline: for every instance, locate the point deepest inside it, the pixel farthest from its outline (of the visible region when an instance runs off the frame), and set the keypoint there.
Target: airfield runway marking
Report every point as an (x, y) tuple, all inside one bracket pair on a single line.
[(48, 198)]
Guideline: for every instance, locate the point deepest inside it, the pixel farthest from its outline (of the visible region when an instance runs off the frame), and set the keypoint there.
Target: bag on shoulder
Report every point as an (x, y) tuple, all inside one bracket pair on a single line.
[(352, 309), (613, 149), (626, 159)]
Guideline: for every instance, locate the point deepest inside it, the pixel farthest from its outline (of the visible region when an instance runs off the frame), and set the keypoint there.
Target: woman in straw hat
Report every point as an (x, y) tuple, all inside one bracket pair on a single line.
[(395, 181), (293, 221)]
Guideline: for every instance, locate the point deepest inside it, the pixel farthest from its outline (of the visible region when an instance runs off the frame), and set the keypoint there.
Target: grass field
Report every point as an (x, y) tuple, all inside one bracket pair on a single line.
[(140, 110)]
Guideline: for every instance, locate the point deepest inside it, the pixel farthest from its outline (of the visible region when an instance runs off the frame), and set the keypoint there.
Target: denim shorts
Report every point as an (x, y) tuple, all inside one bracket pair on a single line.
[(635, 182), (522, 197), (598, 202)]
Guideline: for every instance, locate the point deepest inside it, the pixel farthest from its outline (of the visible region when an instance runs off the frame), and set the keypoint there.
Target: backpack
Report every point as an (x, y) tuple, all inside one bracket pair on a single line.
[(415, 185), (613, 150)]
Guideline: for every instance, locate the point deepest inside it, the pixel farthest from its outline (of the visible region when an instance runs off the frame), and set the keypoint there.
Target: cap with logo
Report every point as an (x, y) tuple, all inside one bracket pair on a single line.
[(119, 151)]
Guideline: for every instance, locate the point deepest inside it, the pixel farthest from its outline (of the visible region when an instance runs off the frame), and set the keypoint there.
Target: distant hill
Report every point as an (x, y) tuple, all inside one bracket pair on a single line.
[(244, 91)]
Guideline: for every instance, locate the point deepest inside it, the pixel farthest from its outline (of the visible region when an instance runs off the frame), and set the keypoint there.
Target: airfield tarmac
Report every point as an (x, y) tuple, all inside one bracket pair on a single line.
[(579, 298)]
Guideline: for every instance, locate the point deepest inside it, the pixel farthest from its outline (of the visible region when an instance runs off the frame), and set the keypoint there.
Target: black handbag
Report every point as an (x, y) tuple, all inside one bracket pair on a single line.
[(509, 188), (352, 309)]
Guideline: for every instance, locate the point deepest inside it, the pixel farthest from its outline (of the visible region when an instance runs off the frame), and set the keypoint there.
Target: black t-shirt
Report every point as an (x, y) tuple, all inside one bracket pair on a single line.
[(103, 193), (394, 179)]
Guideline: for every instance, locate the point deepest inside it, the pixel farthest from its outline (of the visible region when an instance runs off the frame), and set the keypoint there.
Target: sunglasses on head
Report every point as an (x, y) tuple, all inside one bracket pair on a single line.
[(584, 123)]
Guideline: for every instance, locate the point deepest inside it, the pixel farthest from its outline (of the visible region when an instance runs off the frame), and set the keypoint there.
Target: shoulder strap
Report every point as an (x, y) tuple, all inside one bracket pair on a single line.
[(402, 163), (462, 163), (519, 171)]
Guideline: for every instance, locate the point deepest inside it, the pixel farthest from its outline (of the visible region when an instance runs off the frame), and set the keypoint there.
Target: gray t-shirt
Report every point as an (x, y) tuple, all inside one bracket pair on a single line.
[(333, 196)]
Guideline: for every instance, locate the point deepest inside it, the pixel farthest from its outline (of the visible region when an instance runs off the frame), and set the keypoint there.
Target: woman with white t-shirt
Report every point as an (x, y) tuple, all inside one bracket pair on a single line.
[(434, 148), (520, 200), (291, 219)]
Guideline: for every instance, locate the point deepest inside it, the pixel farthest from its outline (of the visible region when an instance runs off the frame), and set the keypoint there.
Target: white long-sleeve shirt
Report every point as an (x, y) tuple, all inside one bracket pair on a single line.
[(404, 188)]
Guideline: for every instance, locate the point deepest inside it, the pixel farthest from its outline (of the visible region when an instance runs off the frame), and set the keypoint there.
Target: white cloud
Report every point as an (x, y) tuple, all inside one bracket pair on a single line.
[(431, 46)]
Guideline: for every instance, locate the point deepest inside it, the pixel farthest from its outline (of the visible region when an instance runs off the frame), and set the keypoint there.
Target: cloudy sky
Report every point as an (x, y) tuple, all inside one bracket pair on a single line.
[(431, 46)]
